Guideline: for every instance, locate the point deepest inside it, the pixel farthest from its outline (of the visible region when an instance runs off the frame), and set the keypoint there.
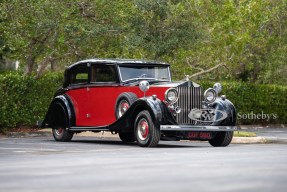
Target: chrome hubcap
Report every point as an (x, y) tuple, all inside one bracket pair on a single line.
[(143, 129), (59, 131), (123, 107)]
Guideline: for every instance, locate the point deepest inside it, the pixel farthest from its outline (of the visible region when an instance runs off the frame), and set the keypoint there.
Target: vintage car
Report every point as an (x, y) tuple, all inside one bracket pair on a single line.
[(137, 100)]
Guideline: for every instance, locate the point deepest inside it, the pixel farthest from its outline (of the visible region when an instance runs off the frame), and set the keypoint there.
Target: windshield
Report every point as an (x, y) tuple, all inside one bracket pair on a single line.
[(160, 73)]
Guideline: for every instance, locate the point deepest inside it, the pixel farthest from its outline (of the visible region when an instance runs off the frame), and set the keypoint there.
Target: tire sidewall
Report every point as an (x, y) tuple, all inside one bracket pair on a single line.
[(144, 115), (222, 139)]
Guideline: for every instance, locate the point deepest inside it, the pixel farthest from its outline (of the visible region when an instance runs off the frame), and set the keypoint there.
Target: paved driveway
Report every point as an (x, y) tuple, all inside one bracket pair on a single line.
[(91, 164)]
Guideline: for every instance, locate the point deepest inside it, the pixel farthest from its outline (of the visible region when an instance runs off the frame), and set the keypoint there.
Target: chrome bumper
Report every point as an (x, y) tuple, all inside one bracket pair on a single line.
[(197, 128)]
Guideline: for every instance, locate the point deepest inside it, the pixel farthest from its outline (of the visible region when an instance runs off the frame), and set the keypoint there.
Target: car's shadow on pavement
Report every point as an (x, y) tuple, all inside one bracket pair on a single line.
[(162, 144)]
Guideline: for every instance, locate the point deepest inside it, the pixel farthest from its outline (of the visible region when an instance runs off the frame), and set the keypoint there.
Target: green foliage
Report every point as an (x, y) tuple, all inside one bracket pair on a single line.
[(160, 28), (25, 99), (249, 37), (256, 99), (59, 32)]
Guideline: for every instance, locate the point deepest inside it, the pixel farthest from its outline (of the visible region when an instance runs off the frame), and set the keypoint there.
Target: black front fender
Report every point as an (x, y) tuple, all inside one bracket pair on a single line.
[(226, 106), (151, 104)]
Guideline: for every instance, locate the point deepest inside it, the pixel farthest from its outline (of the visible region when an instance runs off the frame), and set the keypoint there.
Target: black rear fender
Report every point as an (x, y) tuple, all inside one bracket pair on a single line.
[(61, 107)]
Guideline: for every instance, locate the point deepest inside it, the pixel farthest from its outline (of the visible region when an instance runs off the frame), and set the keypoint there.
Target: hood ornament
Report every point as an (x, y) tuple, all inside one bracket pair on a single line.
[(187, 77)]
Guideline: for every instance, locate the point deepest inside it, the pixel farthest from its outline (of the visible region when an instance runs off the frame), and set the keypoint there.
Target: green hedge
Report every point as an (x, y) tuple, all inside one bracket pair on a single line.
[(24, 99)]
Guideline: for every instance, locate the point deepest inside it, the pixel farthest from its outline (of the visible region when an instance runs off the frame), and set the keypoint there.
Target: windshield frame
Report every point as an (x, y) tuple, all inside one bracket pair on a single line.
[(144, 78)]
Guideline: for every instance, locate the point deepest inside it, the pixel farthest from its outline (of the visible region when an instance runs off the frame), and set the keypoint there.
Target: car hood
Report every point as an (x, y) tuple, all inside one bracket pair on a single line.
[(175, 84)]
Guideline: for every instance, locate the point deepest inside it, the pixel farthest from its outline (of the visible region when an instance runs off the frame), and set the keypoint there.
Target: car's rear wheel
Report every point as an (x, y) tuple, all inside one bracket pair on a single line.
[(222, 139), (62, 134), (127, 137), (146, 133), (59, 130), (124, 101)]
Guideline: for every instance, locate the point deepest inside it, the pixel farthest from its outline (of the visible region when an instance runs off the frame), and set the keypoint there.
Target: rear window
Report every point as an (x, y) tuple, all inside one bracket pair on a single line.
[(79, 74)]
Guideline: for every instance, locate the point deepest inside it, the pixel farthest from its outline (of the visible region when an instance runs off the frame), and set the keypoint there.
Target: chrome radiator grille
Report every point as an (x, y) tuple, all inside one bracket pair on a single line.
[(189, 98)]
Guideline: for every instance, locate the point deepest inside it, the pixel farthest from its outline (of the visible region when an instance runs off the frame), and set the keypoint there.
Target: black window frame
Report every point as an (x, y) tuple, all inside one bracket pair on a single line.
[(105, 82), (70, 72)]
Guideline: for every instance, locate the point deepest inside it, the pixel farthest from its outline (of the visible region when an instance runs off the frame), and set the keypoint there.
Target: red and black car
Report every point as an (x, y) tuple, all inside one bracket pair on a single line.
[(138, 100)]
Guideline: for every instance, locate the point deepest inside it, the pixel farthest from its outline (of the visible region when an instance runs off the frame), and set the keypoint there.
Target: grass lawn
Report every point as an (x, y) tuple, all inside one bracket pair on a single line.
[(244, 134)]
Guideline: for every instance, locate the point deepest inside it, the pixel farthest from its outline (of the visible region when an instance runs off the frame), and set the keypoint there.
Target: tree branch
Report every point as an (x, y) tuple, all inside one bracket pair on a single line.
[(209, 70), (191, 66)]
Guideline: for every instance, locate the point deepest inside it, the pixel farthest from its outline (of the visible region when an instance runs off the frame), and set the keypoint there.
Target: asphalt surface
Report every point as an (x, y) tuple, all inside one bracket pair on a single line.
[(103, 164), (277, 135)]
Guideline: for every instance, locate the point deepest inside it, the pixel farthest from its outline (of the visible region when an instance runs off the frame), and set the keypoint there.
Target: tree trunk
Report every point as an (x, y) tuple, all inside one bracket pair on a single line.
[(30, 64), (43, 66)]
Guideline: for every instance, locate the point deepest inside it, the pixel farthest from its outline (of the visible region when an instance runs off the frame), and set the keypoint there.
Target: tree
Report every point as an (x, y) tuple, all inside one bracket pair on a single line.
[(160, 27), (242, 40), (47, 31), (243, 35)]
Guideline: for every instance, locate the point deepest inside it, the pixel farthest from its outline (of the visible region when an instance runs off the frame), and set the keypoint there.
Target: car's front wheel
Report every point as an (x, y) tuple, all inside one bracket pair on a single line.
[(222, 139), (146, 133)]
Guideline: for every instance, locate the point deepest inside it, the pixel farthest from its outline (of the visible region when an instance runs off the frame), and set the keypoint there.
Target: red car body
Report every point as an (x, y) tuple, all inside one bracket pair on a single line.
[(89, 113), (138, 100)]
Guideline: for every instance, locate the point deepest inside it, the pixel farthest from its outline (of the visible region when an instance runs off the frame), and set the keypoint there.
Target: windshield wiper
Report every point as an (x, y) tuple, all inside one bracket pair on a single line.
[(148, 79)]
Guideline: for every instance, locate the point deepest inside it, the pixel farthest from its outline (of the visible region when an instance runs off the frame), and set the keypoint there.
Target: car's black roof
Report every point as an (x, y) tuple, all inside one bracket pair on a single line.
[(119, 61)]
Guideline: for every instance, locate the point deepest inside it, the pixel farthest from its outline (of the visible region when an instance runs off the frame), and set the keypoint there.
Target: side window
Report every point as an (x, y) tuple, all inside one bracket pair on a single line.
[(79, 74), (104, 74)]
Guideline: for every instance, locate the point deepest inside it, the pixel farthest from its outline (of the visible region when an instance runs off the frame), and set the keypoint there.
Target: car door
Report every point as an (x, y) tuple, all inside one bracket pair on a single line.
[(103, 93), (78, 90)]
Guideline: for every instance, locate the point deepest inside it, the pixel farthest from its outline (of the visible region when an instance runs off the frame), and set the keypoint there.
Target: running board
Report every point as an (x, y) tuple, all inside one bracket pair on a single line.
[(105, 128)]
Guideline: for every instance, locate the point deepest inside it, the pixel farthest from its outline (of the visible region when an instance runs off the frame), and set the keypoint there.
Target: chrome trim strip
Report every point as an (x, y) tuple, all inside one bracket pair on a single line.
[(197, 128)]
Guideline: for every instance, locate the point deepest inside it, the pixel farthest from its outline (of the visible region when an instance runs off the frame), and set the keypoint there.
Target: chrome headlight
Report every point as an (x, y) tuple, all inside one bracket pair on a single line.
[(210, 95), (217, 87), (171, 95)]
